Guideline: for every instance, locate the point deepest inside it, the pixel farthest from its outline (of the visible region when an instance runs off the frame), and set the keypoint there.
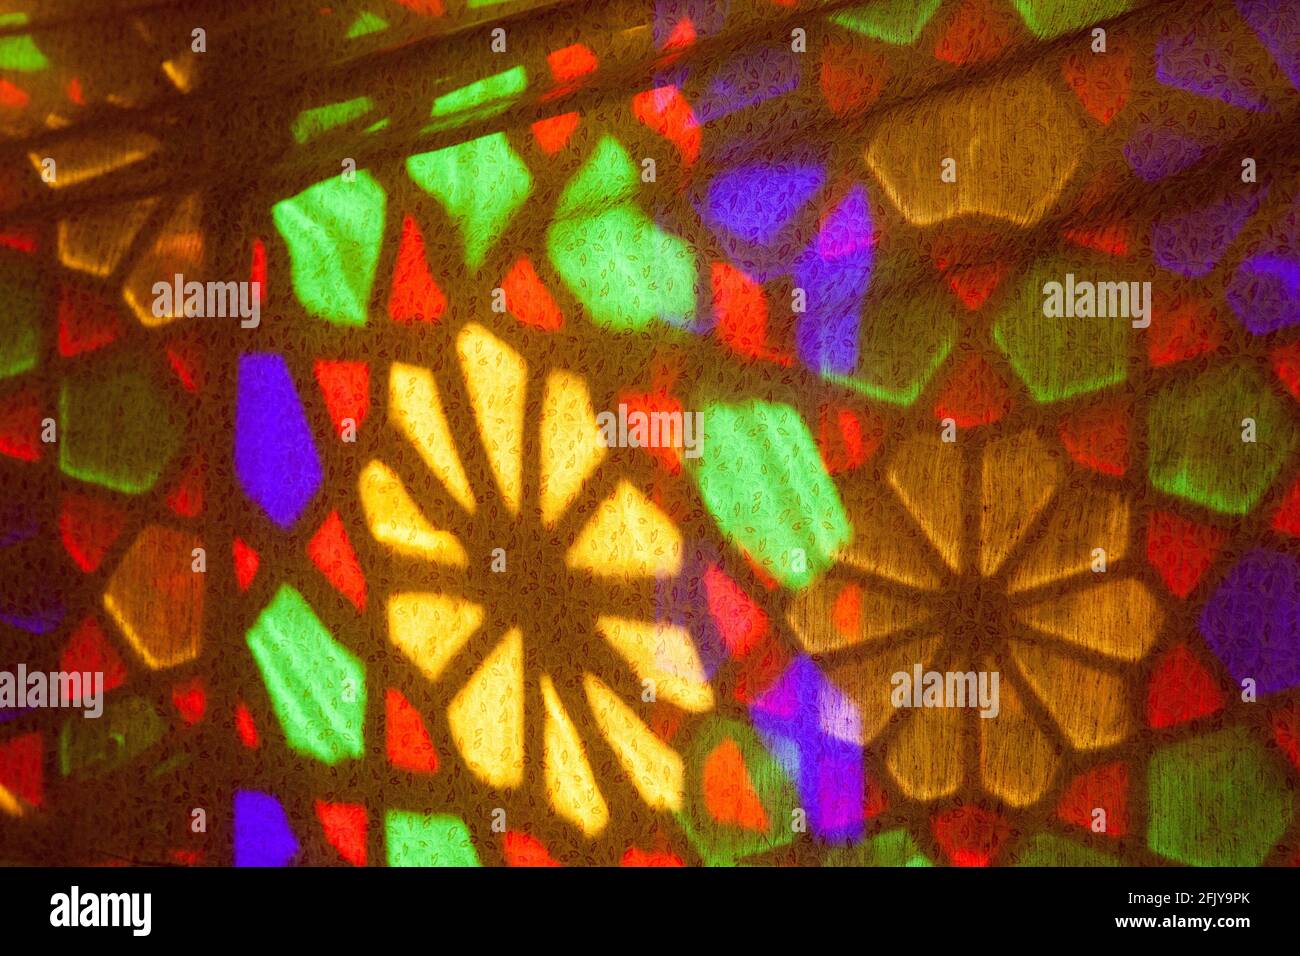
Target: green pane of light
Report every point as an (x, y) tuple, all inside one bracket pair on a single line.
[(726, 843), (116, 428), (366, 24), (480, 99), (333, 230), (625, 270), (894, 21), (896, 359), (1049, 18), (608, 177), (317, 687), (1218, 800), (20, 53), (481, 184), (427, 839), (1049, 850), (126, 729), (891, 848), (1194, 432), (23, 302), (1059, 358), (18, 348), (311, 123), (762, 479)]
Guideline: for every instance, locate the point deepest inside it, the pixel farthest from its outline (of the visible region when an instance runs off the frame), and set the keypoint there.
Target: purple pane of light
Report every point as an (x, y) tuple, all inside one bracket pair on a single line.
[(18, 522), (834, 272), (748, 80), (1277, 23), (753, 202), (1265, 293), (1201, 62), (1192, 243), (263, 836), (275, 457), (812, 730), (1154, 152), (1252, 622)]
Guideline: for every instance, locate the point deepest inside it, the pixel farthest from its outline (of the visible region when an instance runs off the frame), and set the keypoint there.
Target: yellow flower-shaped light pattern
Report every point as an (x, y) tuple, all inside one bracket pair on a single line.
[(519, 608), (1002, 567)]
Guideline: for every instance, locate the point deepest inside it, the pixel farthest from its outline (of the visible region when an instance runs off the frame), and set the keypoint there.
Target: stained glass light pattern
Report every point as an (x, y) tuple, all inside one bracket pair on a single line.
[(119, 429), (971, 130), (416, 839), (1219, 439), (1087, 631), (919, 299), (156, 596), (625, 538)]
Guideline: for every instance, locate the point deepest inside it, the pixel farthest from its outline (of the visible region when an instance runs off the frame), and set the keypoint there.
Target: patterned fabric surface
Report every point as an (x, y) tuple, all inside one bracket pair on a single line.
[(650, 432)]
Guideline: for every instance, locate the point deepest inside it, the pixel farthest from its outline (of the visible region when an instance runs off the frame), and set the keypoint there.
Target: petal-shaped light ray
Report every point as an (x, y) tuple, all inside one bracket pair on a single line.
[(927, 474), (431, 628), (569, 780), (665, 654), (926, 756), (95, 242), (1097, 518), (627, 537), (1118, 618), (867, 681), (1017, 759), (417, 410), (177, 249), (84, 159), (487, 716), (570, 439), (1018, 479), (654, 768), (396, 520), (1090, 705), (497, 378), (820, 618), (878, 548)]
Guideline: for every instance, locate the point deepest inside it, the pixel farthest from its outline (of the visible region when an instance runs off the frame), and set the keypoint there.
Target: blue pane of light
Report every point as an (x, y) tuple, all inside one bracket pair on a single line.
[(834, 272), (1154, 152), (813, 730), (754, 202), (1265, 293), (748, 80), (263, 836), (1278, 27), (275, 457), (1192, 243)]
